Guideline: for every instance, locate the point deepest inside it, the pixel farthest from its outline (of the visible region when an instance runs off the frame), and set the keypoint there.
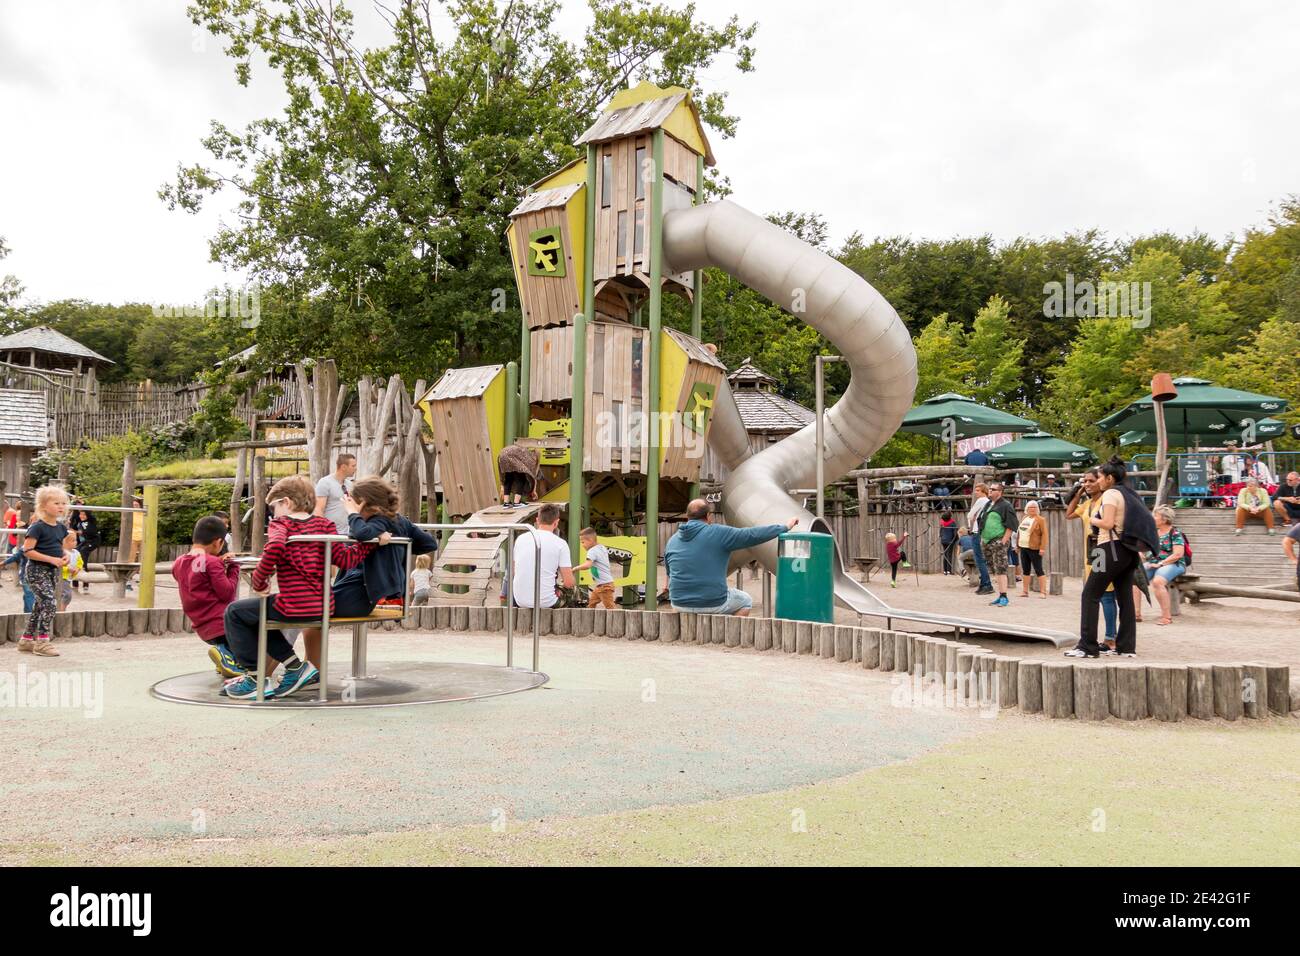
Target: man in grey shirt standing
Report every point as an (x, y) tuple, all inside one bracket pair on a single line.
[(331, 490)]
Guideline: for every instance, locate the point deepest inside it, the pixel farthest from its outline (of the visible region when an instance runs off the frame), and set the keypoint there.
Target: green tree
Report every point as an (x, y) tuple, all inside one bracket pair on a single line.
[(377, 203)]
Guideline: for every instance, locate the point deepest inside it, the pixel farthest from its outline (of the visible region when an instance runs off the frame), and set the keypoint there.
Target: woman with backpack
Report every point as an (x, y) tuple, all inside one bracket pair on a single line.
[(1165, 563), (1113, 561)]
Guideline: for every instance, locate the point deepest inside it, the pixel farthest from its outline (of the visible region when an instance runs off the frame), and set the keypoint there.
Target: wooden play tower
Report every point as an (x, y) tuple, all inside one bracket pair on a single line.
[(617, 406)]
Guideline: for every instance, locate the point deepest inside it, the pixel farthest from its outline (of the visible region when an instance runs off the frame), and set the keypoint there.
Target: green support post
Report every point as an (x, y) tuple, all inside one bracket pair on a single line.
[(656, 304), (149, 547), (630, 596), (577, 405), (525, 364), (697, 288), (697, 281), (512, 401)]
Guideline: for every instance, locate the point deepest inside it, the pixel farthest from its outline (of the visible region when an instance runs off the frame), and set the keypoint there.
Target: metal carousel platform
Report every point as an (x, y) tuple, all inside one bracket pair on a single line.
[(386, 684)]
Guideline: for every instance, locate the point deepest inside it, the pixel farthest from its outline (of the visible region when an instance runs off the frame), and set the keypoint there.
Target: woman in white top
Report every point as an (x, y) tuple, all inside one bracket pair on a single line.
[(1112, 563)]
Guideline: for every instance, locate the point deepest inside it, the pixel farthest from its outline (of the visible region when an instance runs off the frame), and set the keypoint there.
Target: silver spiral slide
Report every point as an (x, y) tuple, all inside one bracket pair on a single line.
[(875, 344)]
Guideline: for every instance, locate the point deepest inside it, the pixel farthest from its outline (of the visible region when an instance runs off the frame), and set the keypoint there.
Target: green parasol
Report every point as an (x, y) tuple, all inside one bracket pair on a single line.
[(951, 417), (1200, 411), (1040, 449), (1265, 429)]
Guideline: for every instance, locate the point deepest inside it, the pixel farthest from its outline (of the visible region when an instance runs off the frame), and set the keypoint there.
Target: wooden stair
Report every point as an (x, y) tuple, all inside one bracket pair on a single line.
[(1251, 559), (463, 572)]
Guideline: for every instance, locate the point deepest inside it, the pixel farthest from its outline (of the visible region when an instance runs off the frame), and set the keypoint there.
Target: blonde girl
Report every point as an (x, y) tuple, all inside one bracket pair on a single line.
[(43, 548), (420, 578)]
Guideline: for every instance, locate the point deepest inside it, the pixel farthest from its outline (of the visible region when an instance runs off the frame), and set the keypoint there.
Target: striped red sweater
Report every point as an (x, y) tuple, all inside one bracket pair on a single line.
[(300, 567)]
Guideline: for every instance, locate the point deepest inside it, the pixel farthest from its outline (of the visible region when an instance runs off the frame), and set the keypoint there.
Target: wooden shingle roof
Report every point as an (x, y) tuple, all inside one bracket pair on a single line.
[(770, 412), (42, 338), (24, 420)]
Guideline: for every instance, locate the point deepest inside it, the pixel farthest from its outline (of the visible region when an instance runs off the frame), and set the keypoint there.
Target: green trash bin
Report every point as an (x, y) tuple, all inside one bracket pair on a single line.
[(805, 583)]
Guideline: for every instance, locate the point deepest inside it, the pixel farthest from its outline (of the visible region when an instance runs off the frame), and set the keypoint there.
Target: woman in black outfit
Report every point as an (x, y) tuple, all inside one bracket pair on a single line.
[(87, 529), (1112, 563)]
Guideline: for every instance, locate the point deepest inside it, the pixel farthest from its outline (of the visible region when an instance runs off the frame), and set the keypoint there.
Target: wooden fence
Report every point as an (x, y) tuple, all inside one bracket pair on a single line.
[(1064, 540)]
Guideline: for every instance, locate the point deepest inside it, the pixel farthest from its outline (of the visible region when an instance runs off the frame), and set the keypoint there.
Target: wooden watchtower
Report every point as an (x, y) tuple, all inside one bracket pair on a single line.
[(634, 398)]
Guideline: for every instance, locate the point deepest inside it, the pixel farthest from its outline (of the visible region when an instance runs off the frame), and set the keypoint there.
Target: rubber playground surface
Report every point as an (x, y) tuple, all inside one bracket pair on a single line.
[(634, 753)]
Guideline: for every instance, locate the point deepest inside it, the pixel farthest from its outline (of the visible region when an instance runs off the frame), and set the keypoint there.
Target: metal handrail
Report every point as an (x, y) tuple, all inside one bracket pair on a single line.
[(511, 531), (329, 540)]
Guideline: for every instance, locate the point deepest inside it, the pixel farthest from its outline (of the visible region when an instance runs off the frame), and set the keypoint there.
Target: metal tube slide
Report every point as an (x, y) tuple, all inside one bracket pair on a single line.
[(840, 304), (866, 331)]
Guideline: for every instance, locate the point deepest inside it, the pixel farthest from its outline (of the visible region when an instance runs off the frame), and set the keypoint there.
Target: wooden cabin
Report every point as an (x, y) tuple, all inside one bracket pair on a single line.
[(689, 378), (767, 415), (546, 238), (623, 137), (24, 431), (49, 350), (466, 409)]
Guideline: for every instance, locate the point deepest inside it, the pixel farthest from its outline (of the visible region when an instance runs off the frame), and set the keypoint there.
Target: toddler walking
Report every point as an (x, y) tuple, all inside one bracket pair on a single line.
[(43, 548)]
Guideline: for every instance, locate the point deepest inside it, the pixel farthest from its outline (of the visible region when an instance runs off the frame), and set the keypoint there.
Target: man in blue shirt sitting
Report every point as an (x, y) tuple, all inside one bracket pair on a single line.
[(696, 560)]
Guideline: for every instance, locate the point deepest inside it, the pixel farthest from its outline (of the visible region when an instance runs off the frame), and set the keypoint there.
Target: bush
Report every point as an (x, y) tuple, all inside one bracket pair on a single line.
[(97, 468), (45, 468)]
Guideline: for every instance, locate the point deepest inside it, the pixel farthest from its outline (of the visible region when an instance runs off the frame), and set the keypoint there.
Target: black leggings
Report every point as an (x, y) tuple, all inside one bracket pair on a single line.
[(516, 483), (893, 565), (1031, 562), (949, 550), (1115, 564)]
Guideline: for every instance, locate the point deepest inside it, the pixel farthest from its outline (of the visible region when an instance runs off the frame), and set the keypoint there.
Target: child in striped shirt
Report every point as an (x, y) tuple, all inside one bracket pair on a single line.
[(299, 569)]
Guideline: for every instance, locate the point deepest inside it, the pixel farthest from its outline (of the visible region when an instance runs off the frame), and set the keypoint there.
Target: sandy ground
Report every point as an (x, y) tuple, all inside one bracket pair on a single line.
[(740, 757)]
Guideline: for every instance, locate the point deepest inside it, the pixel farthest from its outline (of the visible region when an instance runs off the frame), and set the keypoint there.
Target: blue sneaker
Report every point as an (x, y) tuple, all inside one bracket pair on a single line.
[(1000, 602), (245, 688), (296, 678), (227, 666)]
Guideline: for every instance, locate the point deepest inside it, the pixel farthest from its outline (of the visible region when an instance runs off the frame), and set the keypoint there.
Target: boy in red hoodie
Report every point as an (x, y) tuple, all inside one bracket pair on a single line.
[(299, 569), (208, 583)]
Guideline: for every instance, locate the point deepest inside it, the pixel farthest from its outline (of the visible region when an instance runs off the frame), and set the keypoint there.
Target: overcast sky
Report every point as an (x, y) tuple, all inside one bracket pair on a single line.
[(929, 119)]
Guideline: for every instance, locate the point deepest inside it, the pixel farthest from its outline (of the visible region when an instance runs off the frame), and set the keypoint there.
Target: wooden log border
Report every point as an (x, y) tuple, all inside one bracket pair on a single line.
[(961, 675)]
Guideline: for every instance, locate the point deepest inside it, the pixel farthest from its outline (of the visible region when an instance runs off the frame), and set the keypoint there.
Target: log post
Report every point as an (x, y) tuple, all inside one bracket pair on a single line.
[(1091, 693), (966, 674), (1029, 686), (886, 641), (1058, 689), (1227, 691), (669, 626), (1254, 690), (870, 646), (237, 500), (1279, 688), (900, 653), (1200, 691), (789, 636), (257, 534), (732, 636), (1167, 691), (803, 637), (763, 628), (1127, 689), (124, 525), (1007, 684)]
